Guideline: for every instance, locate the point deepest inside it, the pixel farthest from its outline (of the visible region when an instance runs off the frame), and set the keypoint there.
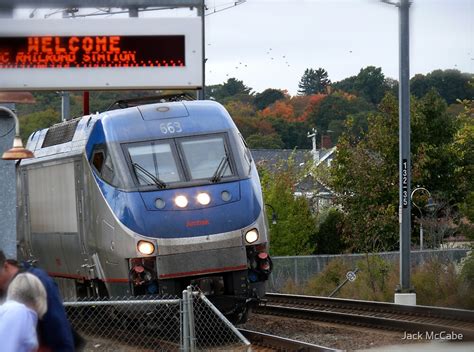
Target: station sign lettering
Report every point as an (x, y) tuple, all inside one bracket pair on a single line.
[(92, 51)]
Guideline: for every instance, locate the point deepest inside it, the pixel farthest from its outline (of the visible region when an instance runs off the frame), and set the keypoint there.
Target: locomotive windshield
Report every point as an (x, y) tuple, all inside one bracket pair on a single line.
[(161, 163), (206, 158), (154, 163)]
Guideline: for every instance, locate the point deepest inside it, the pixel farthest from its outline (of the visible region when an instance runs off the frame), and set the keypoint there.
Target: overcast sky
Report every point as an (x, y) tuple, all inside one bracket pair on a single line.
[(269, 43), (342, 36)]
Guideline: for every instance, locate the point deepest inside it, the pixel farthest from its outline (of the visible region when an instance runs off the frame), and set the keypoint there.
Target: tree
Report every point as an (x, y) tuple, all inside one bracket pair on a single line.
[(268, 97), (370, 84), (463, 148), (365, 180), (233, 88), (37, 120), (434, 160), (450, 84), (337, 107), (313, 81), (293, 233), (264, 141), (329, 236)]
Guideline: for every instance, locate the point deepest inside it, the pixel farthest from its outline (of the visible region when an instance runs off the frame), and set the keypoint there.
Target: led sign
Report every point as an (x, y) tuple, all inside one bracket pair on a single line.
[(92, 51), (75, 54)]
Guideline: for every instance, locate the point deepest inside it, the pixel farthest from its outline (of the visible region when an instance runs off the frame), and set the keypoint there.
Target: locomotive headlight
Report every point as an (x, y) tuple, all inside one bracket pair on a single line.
[(145, 247), (251, 236), (181, 201), (203, 198)]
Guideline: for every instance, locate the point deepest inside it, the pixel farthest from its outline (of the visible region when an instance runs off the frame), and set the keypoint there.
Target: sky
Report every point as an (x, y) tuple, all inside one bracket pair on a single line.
[(270, 43), (341, 36)]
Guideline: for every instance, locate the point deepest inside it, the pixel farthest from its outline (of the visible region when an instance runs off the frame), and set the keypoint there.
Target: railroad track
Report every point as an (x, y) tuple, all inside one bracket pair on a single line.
[(277, 343), (378, 315)]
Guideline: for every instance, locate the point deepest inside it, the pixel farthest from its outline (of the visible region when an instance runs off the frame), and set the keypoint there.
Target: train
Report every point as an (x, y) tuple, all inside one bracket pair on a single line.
[(146, 199)]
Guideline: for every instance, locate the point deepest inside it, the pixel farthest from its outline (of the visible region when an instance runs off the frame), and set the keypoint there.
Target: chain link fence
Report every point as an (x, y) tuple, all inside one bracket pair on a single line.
[(190, 323), (300, 269)]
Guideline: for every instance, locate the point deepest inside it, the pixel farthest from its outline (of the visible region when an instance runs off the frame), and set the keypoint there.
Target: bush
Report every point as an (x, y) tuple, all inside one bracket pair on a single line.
[(328, 279), (436, 283)]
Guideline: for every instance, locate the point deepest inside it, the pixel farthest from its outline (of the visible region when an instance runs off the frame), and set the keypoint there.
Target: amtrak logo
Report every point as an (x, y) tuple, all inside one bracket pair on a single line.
[(194, 223)]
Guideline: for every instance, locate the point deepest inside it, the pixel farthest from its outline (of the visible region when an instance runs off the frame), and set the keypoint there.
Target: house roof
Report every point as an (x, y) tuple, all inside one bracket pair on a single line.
[(270, 158)]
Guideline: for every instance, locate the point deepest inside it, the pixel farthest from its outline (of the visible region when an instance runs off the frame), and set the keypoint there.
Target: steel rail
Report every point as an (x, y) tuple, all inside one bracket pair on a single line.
[(279, 343), (377, 315)]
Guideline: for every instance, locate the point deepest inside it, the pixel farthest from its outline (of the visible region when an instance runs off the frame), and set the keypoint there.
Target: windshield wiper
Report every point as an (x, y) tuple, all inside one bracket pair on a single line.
[(147, 173), (220, 169)]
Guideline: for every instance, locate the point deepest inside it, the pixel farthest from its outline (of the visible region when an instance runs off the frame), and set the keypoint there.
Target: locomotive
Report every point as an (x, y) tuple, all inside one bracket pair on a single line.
[(146, 200)]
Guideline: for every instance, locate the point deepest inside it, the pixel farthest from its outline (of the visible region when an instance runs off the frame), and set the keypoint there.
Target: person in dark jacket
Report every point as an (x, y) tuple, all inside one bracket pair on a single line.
[(54, 330)]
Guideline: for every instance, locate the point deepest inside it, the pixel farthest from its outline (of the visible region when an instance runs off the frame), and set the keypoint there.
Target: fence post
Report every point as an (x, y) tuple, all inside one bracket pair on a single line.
[(192, 330), (185, 323)]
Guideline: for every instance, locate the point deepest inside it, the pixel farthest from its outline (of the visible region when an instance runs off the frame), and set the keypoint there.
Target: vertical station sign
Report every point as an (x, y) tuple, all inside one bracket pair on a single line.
[(78, 54)]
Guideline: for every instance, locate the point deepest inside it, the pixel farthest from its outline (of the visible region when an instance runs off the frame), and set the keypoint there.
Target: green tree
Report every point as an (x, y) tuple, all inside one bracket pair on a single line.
[(267, 141), (450, 84), (329, 236), (313, 82), (434, 161), (233, 89), (293, 233), (463, 147), (292, 133), (365, 180), (370, 84), (37, 120), (268, 97)]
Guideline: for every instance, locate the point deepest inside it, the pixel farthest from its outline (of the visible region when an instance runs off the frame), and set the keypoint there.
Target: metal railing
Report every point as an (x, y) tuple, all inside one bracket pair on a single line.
[(190, 323)]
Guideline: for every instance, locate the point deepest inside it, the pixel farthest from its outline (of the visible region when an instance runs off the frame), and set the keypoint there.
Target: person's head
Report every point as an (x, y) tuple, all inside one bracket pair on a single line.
[(28, 289), (7, 271)]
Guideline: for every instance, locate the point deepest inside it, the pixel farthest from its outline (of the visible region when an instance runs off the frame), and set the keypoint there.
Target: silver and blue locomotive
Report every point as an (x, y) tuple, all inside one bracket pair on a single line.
[(146, 200)]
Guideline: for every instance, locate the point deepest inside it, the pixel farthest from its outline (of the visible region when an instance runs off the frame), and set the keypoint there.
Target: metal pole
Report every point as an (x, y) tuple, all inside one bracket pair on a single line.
[(85, 102), (192, 330), (404, 157), (202, 13), (133, 11), (65, 106), (185, 320), (9, 127), (421, 236)]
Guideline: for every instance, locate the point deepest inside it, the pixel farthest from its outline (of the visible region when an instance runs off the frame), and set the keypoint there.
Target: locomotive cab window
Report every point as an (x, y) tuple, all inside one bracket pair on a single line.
[(154, 163), (103, 165), (98, 160), (207, 158)]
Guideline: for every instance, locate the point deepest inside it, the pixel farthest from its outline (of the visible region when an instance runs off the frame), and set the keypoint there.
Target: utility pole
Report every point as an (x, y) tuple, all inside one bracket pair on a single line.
[(202, 13), (405, 294), (65, 106)]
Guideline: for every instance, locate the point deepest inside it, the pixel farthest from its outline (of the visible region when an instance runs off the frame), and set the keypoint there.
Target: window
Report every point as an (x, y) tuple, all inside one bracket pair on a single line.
[(98, 160), (205, 155), (246, 150), (153, 160), (102, 163)]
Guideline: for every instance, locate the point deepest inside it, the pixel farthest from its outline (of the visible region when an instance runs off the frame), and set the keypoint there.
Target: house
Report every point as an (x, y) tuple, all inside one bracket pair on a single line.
[(320, 195)]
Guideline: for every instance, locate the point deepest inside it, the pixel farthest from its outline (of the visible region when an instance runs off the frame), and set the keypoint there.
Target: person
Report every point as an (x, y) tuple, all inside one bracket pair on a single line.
[(26, 302), (54, 330)]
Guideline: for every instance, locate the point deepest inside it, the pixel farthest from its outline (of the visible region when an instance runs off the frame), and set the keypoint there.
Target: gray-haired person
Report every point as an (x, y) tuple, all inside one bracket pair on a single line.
[(26, 302)]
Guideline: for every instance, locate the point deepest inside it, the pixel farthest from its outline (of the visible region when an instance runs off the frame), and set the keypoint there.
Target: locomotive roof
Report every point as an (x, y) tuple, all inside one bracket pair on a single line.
[(131, 124)]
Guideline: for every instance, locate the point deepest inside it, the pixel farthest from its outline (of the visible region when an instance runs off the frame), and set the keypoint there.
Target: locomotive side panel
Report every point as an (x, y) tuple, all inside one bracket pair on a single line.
[(53, 217)]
